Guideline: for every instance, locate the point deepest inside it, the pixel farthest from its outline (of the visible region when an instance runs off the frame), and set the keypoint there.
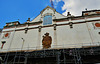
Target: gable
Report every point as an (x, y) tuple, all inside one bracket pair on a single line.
[(48, 11)]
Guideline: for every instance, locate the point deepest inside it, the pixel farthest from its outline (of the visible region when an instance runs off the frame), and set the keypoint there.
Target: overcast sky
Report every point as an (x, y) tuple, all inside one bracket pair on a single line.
[(12, 10)]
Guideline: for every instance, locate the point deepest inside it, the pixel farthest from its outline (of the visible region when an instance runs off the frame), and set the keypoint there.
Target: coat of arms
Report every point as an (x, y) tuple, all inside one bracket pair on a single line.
[(47, 40), (6, 35), (96, 25)]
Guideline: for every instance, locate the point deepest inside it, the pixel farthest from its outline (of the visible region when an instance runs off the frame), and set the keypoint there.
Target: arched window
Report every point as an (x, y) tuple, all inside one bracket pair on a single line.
[(47, 20)]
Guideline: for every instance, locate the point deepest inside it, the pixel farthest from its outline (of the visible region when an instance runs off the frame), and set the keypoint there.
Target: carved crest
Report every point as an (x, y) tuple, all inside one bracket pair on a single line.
[(6, 35), (97, 24), (47, 41)]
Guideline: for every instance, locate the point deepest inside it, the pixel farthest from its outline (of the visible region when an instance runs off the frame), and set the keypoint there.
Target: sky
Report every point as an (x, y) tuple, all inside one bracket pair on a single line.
[(21, 10)]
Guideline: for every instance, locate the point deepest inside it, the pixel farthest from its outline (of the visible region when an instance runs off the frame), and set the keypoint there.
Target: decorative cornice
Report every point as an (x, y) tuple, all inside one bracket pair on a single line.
[(75, 18), (55, 24), (23, 25), (13, 22)]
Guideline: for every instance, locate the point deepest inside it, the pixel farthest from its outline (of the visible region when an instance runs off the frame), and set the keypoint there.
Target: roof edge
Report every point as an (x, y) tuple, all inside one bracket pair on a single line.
[(46, 8)]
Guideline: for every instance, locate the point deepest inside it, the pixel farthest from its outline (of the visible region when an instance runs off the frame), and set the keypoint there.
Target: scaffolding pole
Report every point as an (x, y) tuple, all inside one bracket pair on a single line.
[(58, 57)]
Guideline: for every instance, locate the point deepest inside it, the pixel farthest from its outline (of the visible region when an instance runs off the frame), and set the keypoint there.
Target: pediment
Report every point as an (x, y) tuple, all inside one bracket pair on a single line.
[(48, 11), (48, 7)]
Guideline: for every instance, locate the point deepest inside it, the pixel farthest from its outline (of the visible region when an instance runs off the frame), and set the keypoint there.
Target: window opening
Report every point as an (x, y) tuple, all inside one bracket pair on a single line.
[(3, 42), (47, 20)]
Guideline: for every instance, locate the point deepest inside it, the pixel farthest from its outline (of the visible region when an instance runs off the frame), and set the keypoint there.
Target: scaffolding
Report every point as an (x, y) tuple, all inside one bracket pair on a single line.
[(61, 56)]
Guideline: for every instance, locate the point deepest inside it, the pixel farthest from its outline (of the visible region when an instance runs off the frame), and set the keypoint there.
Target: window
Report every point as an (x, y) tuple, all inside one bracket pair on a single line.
[(3, 42), (47, 20)]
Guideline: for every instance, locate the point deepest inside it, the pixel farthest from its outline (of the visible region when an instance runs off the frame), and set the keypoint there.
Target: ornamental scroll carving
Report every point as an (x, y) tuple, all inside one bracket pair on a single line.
[(47, 41)]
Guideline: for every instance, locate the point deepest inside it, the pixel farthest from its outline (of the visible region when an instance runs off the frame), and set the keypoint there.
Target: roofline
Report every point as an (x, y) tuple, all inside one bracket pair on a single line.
[(13, 22), (75, 17), (23, 24), (90, 11), (46, 8)]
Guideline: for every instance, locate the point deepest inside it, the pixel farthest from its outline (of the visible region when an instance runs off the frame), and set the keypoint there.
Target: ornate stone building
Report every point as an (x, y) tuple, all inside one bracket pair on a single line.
[(52, 38)]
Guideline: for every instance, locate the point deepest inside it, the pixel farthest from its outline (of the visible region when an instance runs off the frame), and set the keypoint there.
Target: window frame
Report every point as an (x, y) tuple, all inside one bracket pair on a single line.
[(51, 19)]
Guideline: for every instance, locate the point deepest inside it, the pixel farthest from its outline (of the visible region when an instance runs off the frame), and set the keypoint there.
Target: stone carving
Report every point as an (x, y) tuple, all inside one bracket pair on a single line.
[(6, 35), (97, 24), (47, 41)]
